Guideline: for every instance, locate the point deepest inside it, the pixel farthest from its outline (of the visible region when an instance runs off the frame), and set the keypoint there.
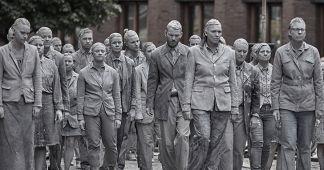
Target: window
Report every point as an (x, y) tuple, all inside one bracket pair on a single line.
[(196, 17), (273, 21), (134, 17)]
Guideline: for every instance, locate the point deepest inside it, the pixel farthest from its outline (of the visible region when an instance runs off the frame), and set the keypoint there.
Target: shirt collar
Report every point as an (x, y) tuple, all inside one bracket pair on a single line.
[(92, 66), (176, 48), (114, 58), (302, 48), (85, 52), (240, 67), (262, 68), (208, 48)]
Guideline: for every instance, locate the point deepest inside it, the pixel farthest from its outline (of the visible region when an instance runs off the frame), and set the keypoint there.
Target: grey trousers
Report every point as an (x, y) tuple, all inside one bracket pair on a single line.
[(174, 146), (101, 127), (17, 136), (123, 134), (145, 144), (239, 140), (296, 133), (212, 145)]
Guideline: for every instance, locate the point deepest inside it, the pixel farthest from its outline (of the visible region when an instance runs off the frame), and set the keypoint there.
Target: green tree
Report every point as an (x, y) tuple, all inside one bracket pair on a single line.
[(63, 15)]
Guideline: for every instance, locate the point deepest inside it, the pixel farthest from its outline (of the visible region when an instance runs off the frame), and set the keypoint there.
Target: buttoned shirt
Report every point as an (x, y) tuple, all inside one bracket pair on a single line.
[(210, 53), (299, 51), (265, 80), (174, 53), (98, 73), (239, 80), (118, 66), (87, 55)]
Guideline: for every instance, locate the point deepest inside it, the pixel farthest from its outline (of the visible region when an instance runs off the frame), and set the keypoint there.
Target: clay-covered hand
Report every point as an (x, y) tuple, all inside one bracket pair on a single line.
[(1, 112), (254, 122), (117, 124), (276, 115), (317, 122), (65, 114), (186, 115), (82, 124), (36, 110), (58, 116), (131, 113), (150, 111), (319, 114)]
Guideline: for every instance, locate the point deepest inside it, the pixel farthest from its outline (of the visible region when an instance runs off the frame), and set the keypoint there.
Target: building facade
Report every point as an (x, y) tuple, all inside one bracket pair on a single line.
[(239, 18)]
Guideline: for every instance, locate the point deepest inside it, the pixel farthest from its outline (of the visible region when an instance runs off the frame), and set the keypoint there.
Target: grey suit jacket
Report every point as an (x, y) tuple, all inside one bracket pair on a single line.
[(91, 95), (128, 80), (162, 75), (251, 93), (58, 58), (141, 91), (72, 119), (297, 81), (15, 82), (209, 82)]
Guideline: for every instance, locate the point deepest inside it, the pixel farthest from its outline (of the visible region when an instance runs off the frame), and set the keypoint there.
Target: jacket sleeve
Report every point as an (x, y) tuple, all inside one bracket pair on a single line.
[(80, 96), (64, 84), (276, 80), (189, 78), (116, 96), (138, 109), (153, 80), (232, 83), (37, 80), (1, 76), (57, 94), (318, 82), (255, 98)]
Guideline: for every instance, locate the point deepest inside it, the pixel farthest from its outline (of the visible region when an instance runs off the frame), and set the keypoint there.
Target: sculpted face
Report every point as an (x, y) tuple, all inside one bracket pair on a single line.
[(99, 53), (264, 53), (255, 56), (148, 52), (214, 33), (40, 46), (21, 32), (86, 40), (68, 62), (133, 43), (194, 42), (173, 36), (241, 51), (57, 45), (47, 37), (297, 31), (68, 50), (116, 44)]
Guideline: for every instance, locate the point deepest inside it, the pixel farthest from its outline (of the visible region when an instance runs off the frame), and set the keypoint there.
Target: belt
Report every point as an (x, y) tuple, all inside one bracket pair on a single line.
[(297, 82)]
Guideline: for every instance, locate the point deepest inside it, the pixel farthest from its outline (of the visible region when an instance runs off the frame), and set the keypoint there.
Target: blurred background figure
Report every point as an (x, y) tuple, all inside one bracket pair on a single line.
[(68, 48), (106, 42), (194, 40), (57, 44), (10, 35)]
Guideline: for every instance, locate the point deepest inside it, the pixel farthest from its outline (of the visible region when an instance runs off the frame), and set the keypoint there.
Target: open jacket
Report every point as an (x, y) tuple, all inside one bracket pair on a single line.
[(211, 85), (251, 93), (72, 119), (59, 61), (92, 96), (297, 81), (128, 80), (162, 75), (15, 82), (141, 91)]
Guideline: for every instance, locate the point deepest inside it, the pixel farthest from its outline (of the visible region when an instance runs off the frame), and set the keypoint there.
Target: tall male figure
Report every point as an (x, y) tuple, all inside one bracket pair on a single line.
[(165, 93), (248, 89), (125, 68), (20, 99), (82, 58)]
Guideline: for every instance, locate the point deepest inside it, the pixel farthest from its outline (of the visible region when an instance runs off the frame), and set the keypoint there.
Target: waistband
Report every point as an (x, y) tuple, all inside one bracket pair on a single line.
[(297, 82)]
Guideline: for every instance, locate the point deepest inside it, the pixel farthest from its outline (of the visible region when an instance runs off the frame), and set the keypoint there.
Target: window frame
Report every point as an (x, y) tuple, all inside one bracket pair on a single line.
[(254, 25), (201, 19)]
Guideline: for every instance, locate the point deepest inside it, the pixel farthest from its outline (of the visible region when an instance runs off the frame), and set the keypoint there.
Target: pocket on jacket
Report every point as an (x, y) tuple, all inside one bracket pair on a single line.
[(6, 87), (198, 89)]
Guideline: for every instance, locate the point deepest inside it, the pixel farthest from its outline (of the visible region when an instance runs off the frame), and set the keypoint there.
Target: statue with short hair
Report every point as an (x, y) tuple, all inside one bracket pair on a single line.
[(57, 44)]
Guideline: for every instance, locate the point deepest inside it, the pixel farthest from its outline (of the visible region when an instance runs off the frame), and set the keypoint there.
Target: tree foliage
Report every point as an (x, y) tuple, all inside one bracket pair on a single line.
[(63, 15)]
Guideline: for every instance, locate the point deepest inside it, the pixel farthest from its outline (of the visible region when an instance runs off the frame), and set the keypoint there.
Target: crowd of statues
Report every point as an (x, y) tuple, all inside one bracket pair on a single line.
[(202, 104)]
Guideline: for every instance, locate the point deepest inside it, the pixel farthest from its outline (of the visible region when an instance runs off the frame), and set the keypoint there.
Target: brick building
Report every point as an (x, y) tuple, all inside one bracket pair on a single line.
[(239, 18)]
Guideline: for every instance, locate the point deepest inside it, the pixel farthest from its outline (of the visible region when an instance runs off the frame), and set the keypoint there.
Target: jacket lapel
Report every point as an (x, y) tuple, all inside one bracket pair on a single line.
[(246, 72), (93, 77), (125, 71), (13, 58), (220, 52), (203, 53), (26, 54), (73, 78)]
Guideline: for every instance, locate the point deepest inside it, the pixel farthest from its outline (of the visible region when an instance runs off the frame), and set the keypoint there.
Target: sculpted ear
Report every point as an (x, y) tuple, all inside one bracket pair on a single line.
[(166, 32)]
